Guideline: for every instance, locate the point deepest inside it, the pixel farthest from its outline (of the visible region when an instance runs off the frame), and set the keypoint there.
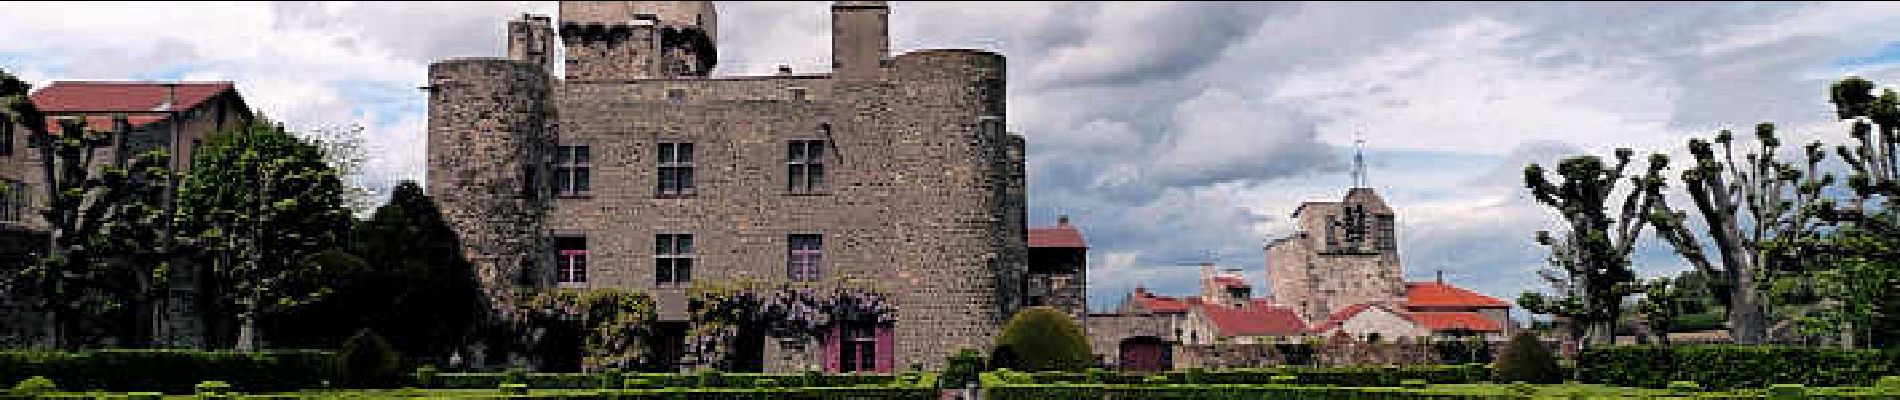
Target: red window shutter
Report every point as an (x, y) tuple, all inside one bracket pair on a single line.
[(832, 349), (885, 342)]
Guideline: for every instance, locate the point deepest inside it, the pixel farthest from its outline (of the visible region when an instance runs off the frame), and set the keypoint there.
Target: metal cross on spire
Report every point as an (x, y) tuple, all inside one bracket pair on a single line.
[(1358, 158)]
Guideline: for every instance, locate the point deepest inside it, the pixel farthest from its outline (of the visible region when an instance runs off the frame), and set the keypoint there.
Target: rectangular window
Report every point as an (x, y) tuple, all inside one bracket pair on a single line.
[(570, 259), (12, 201), (805, 166), (676, 169), (672, 259), (571, 165), (857, 347), (805, 261)]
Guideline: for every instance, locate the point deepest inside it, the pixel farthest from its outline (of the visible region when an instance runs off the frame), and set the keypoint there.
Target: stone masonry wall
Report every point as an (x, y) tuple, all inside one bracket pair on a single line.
[(488, 137)]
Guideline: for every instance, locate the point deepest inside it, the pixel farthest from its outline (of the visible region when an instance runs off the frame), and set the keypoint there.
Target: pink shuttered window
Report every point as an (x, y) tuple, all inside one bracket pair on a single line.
[(570, 257), (859, 347)]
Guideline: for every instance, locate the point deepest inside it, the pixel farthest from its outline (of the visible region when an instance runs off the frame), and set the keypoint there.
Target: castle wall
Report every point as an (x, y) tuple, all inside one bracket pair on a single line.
[(488, 137)]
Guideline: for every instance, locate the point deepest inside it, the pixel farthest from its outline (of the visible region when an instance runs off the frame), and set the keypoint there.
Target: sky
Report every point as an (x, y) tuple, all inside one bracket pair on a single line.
[(1171, 132)]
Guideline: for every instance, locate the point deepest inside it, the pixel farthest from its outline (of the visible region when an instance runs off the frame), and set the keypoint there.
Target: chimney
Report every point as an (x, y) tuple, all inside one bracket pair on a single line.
[(1441, 276), (1062, 220), (784, 69)]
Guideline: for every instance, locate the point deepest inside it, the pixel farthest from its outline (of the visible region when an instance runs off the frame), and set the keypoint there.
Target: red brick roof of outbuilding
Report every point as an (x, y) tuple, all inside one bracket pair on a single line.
[(1439, 294), (1258, 318), (1340, 317), (1057, 236), (1447, 321), (1159, 304), (1230, 281), (126, 97)]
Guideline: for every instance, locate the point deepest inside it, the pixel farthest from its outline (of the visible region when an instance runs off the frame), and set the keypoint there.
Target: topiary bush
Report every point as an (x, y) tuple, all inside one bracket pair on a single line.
[(1043, 339), (1526, 359), (961, 369), (369, 361), (35, 386)]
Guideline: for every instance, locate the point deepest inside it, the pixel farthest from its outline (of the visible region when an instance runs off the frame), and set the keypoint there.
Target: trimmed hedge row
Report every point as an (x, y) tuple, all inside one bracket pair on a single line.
[(172, 371), (611, 380), (1338, 376), (1724, 367)]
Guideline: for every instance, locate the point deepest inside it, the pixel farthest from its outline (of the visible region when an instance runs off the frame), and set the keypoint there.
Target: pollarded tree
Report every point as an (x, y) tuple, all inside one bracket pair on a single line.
[(257, 203), (1590, 259), (1757, 213), (102, 219)]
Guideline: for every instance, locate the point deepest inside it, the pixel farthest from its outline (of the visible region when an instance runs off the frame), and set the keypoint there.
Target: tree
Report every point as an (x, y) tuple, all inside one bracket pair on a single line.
[(102, 217), (1590, 265), (256, 204), (1756, 213), (413, 286), (344, 149), (1043, 339), (1524, 359), (1660, 306)]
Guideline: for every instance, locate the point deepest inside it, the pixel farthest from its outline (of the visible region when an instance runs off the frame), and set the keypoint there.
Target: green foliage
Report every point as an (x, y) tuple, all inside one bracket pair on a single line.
[(172, 371), (514, 389), (211, 388), (961, 369), (1589, 260), (257, 202), (426, 376), (1286, 375), (661, 380), (369, 361), (1526, 359), (1045, 339), (1728, 367), (597, 327), (35, 385)]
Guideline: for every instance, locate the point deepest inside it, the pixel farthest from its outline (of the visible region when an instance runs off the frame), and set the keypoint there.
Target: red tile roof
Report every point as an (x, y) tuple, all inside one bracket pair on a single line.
[(1439, 294), (1159, 304), (1230, 281), (1433, 321), (128, 97), (1445, 321), (1340, 317), (1058, 236), (1258, 318)]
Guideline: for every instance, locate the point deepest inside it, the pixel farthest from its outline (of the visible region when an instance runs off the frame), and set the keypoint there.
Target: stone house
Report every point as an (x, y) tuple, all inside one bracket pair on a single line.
[(172, 116), (637, 168)]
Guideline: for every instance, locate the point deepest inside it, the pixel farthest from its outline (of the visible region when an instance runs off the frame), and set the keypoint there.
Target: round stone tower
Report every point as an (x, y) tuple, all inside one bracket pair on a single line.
[(490, 140)]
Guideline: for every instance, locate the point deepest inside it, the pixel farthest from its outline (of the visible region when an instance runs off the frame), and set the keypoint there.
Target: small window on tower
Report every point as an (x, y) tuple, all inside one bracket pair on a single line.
[(676, 170), (805, 166)]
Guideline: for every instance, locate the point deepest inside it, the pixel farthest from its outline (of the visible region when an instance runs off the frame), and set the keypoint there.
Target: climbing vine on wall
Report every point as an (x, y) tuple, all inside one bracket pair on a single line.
[(601, 327), (725, 312)]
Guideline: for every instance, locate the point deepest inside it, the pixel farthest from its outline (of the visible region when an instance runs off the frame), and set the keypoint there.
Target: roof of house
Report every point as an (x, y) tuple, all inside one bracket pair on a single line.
[(130, 97), (1230, 281), (1448, 321), (1060, 236), (1159, 304), (1257, 318), (1439, 294), (1433, 321)]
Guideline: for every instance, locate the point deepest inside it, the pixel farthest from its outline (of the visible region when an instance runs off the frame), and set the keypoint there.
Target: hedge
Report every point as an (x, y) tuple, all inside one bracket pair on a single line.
[(172, 371), (1339, 376), (489, 380), (864, 393), (1723, 367)]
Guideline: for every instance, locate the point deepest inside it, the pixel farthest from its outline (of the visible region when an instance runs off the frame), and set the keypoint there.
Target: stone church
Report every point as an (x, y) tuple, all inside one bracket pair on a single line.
[(628, 164)]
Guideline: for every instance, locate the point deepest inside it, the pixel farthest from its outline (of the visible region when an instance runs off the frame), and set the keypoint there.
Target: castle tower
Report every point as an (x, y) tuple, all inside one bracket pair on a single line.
[(531, 39), (493, 114), (860, 38), (622, 40)]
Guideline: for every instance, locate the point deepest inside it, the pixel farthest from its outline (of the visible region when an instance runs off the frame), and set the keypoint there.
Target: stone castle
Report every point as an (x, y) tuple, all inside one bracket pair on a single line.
[(637, 168)]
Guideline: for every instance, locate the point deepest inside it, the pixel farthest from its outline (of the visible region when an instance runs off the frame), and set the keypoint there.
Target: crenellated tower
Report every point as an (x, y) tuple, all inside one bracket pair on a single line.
[(624, 40)]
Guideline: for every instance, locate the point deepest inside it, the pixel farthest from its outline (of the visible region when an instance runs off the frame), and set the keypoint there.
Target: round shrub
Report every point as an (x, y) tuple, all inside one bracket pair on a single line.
[(1525, 359), (34, 386), (961, 369), (369, 361), (1043, 339)]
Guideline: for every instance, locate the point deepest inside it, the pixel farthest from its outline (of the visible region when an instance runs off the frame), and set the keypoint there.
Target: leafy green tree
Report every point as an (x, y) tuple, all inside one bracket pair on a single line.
[(413, 285), (1044, 339), (1590, 265), (1660, 306), (257, 203), (1524, 359)]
